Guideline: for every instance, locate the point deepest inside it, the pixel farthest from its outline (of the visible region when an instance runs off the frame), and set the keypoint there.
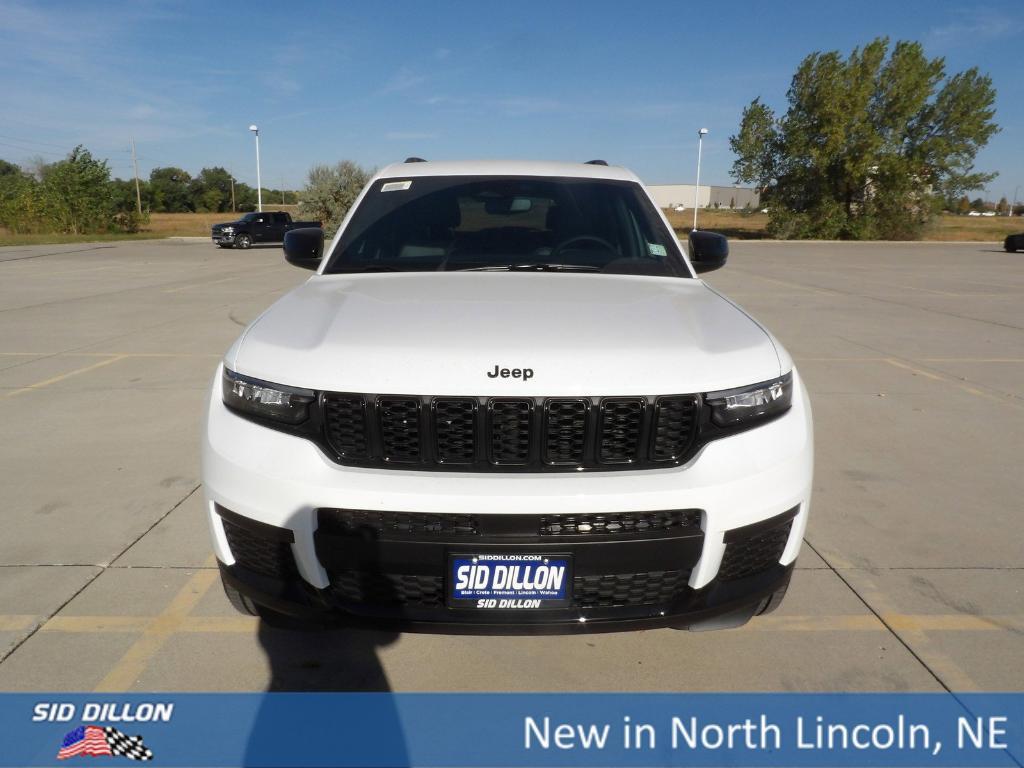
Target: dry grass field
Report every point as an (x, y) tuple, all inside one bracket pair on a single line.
[(734, 224), (744, 226)]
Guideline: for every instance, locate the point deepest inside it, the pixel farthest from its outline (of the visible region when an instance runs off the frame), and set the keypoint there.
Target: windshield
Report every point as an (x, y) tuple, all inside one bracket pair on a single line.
[(249, 217), (450, 223)]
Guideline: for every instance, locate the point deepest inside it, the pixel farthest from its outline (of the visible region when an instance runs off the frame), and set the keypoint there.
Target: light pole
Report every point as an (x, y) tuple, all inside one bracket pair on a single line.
[(696, 187), (259, 184), (1014, 203)]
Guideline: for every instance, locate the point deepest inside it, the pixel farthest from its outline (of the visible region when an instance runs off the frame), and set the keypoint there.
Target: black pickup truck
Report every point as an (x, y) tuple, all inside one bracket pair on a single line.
[(265, 227)]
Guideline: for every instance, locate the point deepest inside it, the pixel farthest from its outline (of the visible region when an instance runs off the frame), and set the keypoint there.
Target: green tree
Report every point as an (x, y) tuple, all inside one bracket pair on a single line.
[(331, 190), (170, 190), (755, 146), (77, 195), (20, 202), (963, 205), (1003, 206), (210, 190), (870, 144)]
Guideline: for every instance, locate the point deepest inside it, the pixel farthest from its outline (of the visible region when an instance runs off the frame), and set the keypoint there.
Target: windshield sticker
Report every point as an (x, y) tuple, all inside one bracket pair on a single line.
[(396, 186), (656, 249)]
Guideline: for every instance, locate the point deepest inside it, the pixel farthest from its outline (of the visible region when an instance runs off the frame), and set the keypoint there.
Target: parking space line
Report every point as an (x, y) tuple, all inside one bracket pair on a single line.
[(911, 635), (1005, 400), (63, 376), (96, 624), (133, 663), (239, 624), (17, 622)]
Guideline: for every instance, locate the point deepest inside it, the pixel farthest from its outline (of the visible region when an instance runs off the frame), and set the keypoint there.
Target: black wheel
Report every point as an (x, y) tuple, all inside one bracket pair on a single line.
[(243, 242), (238, 601)]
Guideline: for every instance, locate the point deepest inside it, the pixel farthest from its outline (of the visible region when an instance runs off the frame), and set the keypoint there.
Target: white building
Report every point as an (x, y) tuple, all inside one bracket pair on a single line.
[(671, 195)]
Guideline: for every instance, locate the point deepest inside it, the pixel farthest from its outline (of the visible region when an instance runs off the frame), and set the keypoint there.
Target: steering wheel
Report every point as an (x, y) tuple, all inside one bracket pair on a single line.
[(581, 239)]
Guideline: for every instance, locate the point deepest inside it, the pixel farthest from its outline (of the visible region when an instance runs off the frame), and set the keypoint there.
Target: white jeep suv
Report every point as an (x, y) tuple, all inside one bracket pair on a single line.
[(506, 401)]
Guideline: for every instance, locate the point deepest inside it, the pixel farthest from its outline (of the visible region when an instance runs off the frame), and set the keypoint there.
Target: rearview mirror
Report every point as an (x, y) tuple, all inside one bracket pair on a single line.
[(304, 247), (708, 250), (505, 206)]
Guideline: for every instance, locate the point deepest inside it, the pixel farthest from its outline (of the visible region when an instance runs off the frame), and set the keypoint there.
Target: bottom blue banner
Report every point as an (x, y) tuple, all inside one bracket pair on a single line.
[(496, 729)]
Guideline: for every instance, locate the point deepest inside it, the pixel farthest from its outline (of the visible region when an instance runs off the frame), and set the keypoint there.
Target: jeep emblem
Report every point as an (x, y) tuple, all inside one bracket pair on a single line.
[(516, 373)]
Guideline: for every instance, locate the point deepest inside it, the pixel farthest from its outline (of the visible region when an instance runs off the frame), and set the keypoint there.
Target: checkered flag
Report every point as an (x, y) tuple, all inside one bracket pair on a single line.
[(122, 745)]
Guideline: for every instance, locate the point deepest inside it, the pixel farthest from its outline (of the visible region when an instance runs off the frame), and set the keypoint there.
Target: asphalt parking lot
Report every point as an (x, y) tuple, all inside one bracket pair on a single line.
[(911, 578)]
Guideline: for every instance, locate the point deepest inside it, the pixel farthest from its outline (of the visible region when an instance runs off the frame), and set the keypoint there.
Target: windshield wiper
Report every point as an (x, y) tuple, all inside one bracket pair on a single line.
[(541, 267)]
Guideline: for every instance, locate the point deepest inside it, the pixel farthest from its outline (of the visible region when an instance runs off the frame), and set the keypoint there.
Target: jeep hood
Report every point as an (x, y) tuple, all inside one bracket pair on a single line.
[(440, 333)]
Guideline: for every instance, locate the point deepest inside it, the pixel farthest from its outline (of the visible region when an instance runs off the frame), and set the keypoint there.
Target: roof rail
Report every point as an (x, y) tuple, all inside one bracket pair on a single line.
[(596, 162), (414, 160)]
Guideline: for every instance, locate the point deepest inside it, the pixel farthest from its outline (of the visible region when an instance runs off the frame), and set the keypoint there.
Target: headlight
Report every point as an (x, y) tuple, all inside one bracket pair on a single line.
[(734, 407), (262, 399), (228, 230)]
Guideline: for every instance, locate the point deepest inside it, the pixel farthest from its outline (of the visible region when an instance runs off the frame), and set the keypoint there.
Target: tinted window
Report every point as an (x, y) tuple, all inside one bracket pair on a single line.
[(456, 223)]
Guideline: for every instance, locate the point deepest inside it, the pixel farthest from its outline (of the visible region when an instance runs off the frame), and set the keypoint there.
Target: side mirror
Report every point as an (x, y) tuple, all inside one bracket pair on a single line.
[(304, 247), (708, 250)]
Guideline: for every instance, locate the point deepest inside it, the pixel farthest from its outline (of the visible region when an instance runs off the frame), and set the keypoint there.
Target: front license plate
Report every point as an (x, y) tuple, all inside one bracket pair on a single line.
[(509, 581)]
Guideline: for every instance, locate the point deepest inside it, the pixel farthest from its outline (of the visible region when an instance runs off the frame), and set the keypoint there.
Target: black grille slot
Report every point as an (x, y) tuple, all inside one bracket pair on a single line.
[(506, 434), (565, 431), (510, 431), (625, 589), (620, 430), (374, 588), (455, 430), (754, 554), (675, 426), (385, 525), (268, 557), (399, 429), (618, 523), (345, 417)]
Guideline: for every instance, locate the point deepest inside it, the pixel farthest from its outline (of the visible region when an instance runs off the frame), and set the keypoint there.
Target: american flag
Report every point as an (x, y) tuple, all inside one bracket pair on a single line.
[(85, 740), (94, 741)]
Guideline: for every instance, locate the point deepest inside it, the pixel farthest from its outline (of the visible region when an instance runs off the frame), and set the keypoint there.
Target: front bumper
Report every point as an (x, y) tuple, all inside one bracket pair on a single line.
[(222, 238), (267, 493)]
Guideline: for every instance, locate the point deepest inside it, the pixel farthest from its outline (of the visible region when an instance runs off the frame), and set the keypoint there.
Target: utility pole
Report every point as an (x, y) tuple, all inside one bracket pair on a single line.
[(138, 195), (232, 194)]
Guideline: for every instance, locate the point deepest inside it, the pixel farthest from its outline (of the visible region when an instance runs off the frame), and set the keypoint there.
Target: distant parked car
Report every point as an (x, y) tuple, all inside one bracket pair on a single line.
[(989, 213), (264, 227), (974, 213), (679, 208), (1014, 242)]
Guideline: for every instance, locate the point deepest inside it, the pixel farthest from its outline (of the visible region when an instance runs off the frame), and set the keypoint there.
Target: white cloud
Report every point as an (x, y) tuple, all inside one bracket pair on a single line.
[(974, 26), (404, 79)]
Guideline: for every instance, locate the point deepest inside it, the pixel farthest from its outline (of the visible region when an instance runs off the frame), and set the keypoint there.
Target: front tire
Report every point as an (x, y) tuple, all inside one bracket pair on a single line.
[(244, 242)]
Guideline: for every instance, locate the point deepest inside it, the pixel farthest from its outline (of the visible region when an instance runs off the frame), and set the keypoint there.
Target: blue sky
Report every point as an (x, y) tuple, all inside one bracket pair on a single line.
[(378, 81)]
